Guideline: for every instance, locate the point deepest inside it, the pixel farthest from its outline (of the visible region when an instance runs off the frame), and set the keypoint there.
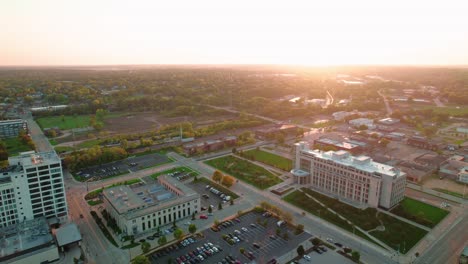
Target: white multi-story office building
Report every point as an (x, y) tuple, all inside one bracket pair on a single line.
[(143, 207), (31, 187), (357, 180), (12, 128)]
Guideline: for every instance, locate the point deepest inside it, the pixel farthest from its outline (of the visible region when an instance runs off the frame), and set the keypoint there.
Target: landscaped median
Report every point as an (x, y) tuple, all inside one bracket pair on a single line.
[(245, 171), (103, 228), (397, 234)]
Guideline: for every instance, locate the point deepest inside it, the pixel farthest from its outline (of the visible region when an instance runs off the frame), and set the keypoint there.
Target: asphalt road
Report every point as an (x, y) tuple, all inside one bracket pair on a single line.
[(41, 141), (446, 250)]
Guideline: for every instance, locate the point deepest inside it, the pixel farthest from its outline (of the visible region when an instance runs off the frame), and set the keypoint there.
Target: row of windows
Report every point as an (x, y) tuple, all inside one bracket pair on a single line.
[(166, 219), (43, 167)]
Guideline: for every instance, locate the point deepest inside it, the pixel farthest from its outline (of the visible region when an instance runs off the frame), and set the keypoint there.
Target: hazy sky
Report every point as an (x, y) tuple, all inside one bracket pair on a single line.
[(65, 32)]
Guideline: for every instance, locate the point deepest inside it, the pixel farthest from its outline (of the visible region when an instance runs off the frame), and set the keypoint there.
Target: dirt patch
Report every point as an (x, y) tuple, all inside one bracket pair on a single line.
[(447, 184), (143, 122)]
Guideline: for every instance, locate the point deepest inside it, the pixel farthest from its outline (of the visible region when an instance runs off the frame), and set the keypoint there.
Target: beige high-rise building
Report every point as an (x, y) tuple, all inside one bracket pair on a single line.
[(357, 180)]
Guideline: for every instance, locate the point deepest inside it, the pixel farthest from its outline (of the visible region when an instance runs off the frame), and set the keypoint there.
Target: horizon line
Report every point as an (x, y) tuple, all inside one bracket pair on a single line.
[(234, 64)]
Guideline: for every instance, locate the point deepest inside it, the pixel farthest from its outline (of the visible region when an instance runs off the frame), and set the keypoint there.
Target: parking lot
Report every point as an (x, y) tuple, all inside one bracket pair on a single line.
[(123, 166), (208, 197), (260, 243), (329, 257)]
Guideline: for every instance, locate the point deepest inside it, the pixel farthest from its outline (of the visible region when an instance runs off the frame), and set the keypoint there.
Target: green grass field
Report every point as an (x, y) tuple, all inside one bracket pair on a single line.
[(89, 143), (299, 199), (61, 149), (268, 158), (245, 171), (14, 146), (68, 121), (396, 231), (450, 110), (398, 234), (419, 212)]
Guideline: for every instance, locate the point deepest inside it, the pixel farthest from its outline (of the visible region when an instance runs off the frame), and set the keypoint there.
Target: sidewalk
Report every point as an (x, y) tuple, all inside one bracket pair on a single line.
[(436, 193)]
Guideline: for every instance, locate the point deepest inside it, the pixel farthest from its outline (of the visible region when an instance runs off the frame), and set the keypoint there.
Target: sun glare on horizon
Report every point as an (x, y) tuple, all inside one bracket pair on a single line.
[(89, 32)]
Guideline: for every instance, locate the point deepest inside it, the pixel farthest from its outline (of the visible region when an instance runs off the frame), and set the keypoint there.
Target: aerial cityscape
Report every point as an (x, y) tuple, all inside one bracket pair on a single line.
[(228, 133)]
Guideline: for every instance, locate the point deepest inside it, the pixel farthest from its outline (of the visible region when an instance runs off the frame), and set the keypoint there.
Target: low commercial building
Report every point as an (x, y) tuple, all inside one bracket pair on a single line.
[(141, 208), (324, 143), (12, 128), (395, 136), (357, 180), (369, 123), (389, 121), (340, 115), (68, 235), (422, 142), (210, 145), (455, 168), (28, 242), (48, 108)]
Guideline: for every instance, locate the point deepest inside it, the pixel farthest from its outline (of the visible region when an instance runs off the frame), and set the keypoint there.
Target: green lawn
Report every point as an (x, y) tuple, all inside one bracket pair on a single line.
[(245, 171), (89, 143), (365, 219), (68, 121), (398, 234), (61, 149), (419, 212), (268, 158), (173, 170), (14, 146), (300, 200), (396, 231), (450, 110)]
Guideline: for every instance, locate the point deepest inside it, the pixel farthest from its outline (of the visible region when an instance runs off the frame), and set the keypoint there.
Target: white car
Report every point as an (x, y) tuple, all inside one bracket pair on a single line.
[(307, 257), (244, 229), (330, 240)]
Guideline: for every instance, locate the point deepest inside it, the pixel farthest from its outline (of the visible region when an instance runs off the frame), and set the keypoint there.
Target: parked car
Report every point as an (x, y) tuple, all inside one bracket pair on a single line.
[(203, 217)]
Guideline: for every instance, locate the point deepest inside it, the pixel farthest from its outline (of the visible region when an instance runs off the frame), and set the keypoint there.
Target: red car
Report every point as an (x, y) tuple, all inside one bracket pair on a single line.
[(203, 217)]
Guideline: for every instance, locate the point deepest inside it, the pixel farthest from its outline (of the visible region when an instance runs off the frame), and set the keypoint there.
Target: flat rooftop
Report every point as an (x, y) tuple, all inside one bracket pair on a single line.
[(24, 236), (139, 197), (35, 159), (362, 163), (68, 234), (11, 121), (344, 145)]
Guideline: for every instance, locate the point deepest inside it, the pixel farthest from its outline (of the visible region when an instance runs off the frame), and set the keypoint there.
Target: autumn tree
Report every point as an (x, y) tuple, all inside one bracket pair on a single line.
[(217, 176), (228, 181)]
